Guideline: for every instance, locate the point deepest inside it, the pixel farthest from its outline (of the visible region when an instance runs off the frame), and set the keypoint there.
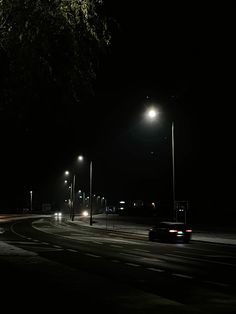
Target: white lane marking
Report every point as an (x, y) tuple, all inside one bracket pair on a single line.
[(45, 243), (35, 240), (132, 264), (156, 269), (143, 251), (219, 256), (57, 246), (96, 242), (182, 276), (70, 250), (92, 255), (22, 242), (200, 259), (117, 246), (149, 259), (127, 254), (217, 283), (207, 255)]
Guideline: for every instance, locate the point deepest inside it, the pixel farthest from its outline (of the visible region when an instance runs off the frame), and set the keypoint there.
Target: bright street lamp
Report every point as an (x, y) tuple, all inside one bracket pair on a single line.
[(80, 158), (152, 113)]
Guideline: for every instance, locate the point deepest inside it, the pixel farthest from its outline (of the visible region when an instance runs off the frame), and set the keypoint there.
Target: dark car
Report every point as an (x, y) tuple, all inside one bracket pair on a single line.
[(171, 232)]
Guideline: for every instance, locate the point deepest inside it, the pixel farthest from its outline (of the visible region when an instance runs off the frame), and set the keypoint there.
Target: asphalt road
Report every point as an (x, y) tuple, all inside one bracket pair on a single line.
[(50, 264)]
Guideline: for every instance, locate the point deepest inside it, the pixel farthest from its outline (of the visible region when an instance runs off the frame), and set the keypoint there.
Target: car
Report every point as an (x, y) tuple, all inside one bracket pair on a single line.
[(57, 214), (170, 231)]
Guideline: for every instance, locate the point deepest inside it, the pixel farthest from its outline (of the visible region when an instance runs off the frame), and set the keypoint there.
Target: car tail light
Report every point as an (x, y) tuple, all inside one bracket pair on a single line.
[(172, 230), (189, 230)]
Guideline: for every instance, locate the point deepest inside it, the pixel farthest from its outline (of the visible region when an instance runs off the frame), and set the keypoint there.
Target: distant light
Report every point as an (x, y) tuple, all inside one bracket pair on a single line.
[(65, 181), (80, 158), (67, 173), (122, 202), (85, 213)]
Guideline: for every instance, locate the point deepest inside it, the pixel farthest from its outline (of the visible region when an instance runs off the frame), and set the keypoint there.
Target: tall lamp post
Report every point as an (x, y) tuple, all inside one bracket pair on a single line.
[(90, 193), (31, 201), (72, 187), (173, 166), (67, 173), (152, 114)]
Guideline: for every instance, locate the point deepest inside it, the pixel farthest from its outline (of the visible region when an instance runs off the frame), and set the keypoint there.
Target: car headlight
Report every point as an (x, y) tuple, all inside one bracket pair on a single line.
[(57, 214)]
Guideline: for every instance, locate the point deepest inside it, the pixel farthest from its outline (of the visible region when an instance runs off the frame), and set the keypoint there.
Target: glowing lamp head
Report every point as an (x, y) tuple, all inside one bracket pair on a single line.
[(151, 114)]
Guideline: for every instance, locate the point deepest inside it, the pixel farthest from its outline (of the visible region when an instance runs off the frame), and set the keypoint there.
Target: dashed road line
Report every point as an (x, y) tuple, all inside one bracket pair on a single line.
[(217, 283), (117, 246), (156, 269), (71, 250), (182, 276), (142, 251), (92, 255), (127, 254), (132, 264), (200, 259), (97, 242)]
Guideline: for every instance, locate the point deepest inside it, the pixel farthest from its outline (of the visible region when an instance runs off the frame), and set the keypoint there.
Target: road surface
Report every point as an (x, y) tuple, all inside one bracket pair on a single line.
[(53, 264)]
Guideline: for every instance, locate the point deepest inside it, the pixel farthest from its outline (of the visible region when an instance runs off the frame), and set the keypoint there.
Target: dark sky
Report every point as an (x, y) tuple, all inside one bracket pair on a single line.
[(181, 56)]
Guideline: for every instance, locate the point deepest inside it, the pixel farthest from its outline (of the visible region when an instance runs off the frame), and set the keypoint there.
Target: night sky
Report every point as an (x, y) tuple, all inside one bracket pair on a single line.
[(181, 57)]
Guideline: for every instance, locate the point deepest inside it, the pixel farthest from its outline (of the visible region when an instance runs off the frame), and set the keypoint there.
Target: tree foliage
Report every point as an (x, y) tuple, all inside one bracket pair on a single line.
[(49, 50)]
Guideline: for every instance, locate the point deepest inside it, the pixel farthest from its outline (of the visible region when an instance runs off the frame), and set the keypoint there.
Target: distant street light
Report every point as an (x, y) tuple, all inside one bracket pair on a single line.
[(80, 158), (151, 114)]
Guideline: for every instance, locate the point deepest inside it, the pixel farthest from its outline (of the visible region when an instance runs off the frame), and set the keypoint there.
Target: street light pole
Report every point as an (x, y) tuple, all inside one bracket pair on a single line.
[(173, 168), (31, 200), (73, 199), (151, 115), (91, 200)]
